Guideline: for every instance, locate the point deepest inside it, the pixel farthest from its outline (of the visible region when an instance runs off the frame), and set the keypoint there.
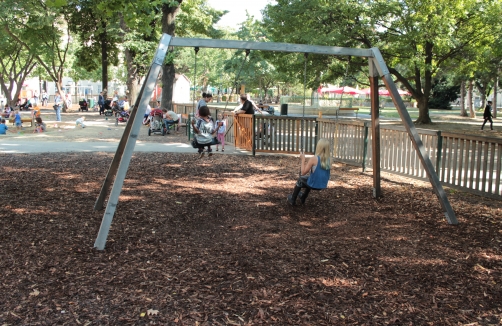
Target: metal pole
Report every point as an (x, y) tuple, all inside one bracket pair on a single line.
[(112, 170), (150, 82), (188, 123), (253, 135), (415, 137), (304, 98)]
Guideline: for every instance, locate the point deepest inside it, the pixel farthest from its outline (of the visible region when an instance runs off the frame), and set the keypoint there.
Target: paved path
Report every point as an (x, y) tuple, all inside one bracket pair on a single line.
[(24, 146)]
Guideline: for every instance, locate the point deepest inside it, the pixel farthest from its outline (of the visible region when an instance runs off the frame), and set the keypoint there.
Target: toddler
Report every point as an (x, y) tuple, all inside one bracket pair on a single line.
[(17, 120), (3, 127), (221, 131), (39, 125), (80, 121)]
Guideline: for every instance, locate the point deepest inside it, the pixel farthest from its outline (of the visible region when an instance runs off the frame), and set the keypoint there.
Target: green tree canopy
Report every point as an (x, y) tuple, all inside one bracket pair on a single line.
[(416, 38)]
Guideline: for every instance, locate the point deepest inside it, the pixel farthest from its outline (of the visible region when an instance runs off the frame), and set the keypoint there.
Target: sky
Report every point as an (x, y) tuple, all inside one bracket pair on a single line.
[(237, 10)]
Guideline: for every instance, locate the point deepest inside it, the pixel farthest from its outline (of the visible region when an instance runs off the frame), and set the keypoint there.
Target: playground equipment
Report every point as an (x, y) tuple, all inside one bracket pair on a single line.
[(377, 69)]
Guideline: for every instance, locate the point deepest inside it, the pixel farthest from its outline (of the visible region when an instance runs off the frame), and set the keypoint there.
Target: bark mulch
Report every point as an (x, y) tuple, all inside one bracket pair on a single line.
[(213, 242)]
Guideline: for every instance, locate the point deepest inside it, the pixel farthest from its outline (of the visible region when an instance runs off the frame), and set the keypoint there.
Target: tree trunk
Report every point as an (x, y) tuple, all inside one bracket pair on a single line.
[(423, 110), (472, 112), (463, 112), (495, 90), (104, 58), (168, 72), (133, 80)]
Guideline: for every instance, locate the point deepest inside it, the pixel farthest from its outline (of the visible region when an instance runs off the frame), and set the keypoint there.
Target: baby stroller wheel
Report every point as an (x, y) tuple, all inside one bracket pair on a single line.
[(149, 131)]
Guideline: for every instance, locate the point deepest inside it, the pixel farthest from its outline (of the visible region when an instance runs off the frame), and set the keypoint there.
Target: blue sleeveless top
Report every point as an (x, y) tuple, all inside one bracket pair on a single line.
[(319, 179)]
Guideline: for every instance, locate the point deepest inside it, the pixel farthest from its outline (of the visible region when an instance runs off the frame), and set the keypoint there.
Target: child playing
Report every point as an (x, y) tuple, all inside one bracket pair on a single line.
[(221, 132), (39, 125), (204, 131), (36, 112), (17, 120), (80, 121), (3, 127), (319, 167)]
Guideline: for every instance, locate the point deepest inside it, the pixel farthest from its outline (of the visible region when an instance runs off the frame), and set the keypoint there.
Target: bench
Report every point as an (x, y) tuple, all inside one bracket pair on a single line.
[(23, 119), (347, 109)]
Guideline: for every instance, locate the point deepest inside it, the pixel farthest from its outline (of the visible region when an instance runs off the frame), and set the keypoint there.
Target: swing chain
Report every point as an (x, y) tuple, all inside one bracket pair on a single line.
[(304, 99)]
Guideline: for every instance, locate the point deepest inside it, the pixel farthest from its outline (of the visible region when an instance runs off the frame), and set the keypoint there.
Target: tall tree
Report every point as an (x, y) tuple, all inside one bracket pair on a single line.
[(16, 64), (95, 24), (41, 27), (416, 38), (194, 17)]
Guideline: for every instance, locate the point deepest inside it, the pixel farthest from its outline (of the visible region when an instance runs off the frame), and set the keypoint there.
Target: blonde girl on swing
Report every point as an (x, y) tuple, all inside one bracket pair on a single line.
[(315, 174)]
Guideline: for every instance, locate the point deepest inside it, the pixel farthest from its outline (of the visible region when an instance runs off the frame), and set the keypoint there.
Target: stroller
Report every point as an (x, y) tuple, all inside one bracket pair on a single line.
[(83, 106), (156, 123), (108, 108)]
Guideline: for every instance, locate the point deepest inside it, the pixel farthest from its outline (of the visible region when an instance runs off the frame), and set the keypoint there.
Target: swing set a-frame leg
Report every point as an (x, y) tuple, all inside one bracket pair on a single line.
[(414, 136), (112, 170), (123, 166)]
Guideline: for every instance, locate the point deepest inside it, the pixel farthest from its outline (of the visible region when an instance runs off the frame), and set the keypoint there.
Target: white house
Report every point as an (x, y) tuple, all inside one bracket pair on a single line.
[(181, 89)]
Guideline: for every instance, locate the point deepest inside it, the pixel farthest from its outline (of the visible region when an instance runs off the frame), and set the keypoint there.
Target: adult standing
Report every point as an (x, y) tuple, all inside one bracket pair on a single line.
[(45, 98), (206, 98), (35, 97), (101, 103), (487, 115), (58, 103), (126, 104), (147, 115)]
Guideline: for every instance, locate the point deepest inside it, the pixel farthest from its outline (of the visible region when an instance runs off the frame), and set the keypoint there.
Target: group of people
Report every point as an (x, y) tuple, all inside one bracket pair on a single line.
[(169, 117), (314, 174), (207, 131), (116, 103)]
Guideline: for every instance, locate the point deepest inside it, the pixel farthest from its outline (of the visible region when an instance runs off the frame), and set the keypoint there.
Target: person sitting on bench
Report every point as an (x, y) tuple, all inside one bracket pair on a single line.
[(170, 118)]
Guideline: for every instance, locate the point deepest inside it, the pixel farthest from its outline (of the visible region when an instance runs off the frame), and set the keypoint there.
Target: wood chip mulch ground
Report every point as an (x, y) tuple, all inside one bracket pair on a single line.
[(214, 242)]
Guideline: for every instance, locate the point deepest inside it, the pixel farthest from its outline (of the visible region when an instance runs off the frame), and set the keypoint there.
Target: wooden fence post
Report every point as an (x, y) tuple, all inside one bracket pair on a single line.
[(365, 145), (253, 135), (439, 150)]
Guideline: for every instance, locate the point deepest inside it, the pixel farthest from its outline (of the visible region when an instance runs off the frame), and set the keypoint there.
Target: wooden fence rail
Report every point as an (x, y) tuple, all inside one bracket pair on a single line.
[(461, 161), (471, 163)]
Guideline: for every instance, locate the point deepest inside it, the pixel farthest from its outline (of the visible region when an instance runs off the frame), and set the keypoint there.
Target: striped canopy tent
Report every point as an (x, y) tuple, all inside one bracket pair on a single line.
[(341, 90), (383, 92)]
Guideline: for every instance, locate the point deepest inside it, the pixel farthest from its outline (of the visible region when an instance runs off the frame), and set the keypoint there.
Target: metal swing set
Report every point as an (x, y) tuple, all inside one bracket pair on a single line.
[(377, 69)]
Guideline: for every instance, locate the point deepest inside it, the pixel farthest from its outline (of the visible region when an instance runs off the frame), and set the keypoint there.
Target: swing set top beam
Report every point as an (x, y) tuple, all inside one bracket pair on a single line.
[(270, 46)]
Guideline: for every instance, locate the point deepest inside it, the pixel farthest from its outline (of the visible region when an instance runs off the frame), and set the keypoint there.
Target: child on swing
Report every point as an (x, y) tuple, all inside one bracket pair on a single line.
[(204, 131), (319, 167)]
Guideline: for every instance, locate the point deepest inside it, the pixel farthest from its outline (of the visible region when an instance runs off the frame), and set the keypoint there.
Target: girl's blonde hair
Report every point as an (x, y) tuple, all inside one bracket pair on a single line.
[(323, 151)]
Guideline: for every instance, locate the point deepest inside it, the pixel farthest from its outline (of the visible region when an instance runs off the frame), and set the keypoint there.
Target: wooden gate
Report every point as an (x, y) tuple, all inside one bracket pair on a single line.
[(243, 131)]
